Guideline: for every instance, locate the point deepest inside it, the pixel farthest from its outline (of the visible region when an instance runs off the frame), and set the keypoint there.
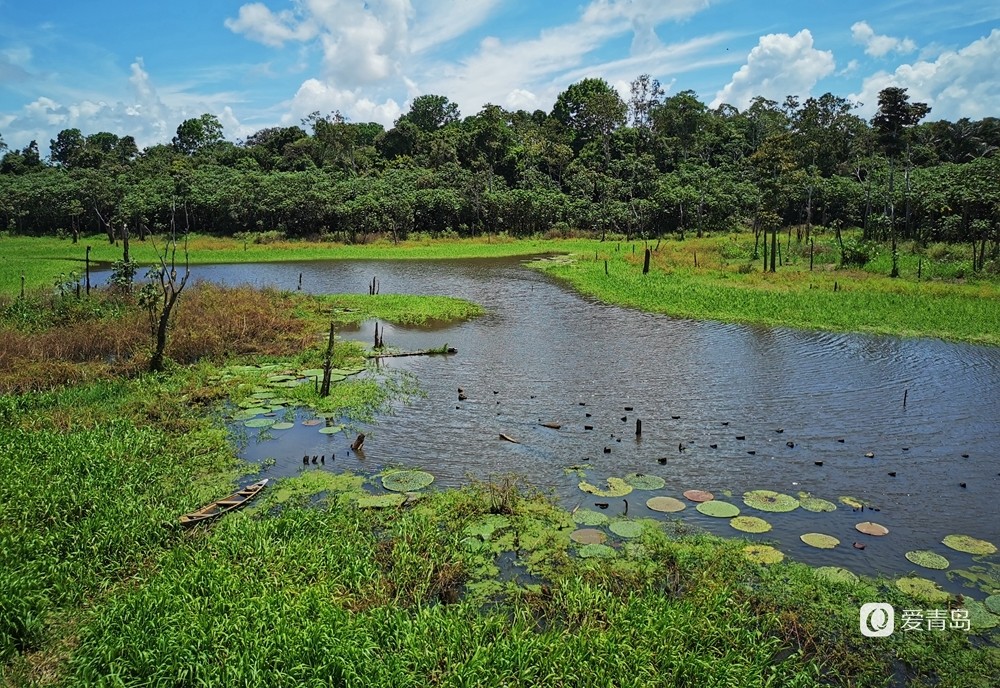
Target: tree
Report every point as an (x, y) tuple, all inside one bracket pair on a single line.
[(646, 95), (65, 149), (591, 109), (197, 134), (160, 294), (430, 112)]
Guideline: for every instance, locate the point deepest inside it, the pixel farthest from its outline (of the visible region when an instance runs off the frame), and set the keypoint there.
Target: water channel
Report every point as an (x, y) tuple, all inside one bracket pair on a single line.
[(810, 406)]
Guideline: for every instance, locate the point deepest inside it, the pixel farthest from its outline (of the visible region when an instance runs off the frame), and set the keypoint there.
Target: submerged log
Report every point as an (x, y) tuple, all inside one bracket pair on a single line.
[(554, 426), (428, 352)]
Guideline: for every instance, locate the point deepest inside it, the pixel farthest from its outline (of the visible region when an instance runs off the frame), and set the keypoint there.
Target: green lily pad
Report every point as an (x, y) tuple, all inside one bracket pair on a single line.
[(980, 618), (472, 544), (384, 501), (255, 410), (487, 525), (666, 504), (280, 378), (312, 372), (263, 395), (283, 426), (616, 488), (768, 500), (588, 536), (923, 589), (626, 529), (597, 551), (589, 517), (244, 415), (750, 524), (641, 481), (763, 554), (992, 603), (815, 504), (927, 559), (718, 509), (406, 481), (836, 574), (258, 422), (331, 429), (819, 540), (968, 544), (852, 502)]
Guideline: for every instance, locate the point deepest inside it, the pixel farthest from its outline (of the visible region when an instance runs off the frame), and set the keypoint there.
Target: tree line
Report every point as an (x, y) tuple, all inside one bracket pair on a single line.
[(646, 167)]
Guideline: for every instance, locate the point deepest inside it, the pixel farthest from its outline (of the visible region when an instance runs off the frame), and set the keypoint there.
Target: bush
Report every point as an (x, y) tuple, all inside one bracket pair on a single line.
[(858, 253)]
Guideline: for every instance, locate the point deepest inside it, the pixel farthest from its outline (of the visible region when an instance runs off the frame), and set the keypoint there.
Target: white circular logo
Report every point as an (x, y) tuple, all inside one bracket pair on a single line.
[(877, 620)]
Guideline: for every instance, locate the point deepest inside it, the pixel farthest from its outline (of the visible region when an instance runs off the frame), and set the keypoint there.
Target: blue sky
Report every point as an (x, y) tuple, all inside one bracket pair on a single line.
[(142, 68)]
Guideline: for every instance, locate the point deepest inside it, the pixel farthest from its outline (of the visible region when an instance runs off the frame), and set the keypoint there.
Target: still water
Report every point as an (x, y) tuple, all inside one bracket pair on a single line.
[(543, 353)]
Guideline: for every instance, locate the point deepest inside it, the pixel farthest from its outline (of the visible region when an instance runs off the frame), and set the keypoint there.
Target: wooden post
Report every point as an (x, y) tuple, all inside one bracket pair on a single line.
[(835, 285), (905, 392), (88, 271), (920, 266), (324, 390), (696, 259), (645, 262), (812, 246), (638, 427), (605, 267), (22, 285), (300, 282)]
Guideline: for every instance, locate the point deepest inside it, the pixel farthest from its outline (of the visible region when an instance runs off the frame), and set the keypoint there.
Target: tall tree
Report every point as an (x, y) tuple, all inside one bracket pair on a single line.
[(197, 134), (591, 109), (430, 112)]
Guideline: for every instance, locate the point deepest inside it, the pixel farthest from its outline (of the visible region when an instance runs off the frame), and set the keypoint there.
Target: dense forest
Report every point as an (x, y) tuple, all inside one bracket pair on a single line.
[(652, 166)]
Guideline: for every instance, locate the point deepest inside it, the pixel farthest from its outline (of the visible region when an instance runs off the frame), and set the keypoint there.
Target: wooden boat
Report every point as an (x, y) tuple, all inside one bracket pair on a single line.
[(223, 506)]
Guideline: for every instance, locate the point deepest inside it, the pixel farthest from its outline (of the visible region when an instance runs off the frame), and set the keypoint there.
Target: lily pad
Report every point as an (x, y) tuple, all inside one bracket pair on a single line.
[(312, 372), (869, 528), (406, 481), (836, 574), (263, 395), (699, 495), (486, 526), (852, 502), (768, 500), (383, 501), (588, 536), (718, 509), (641, 481), (616, 488), (980, 618), (763, 554), (968, 544), (819, 540), (283, 426), (923, 589), (312, 422), (815, 504), (928, 559), (665, 504), (750, 524), (258, 422), (588, 517), (992, 603), (245, 415), (255, 410), (331, 429), (597, 551), (280, 378), (626, 529)]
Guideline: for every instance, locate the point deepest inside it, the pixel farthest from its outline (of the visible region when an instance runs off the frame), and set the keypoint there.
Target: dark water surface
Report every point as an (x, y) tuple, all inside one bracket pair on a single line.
[(544, 353)]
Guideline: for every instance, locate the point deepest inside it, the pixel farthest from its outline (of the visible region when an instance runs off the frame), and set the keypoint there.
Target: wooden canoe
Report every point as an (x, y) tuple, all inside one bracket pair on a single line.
[(223, 506)]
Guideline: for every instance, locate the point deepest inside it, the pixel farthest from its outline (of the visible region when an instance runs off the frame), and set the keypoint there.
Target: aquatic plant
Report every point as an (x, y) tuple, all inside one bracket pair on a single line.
[(665, 504), (626, 529), (383, 501), (750, 524), (597, 551), (616, 487), (698, 495), (819, 540), (870, 528), (923, 589), (763, 554), (589, 517), (815, 504), (642, 481), (718, 509), (768, 500), (588, 536), (406, 480), (969, 544), (836, 574), (927, 559)]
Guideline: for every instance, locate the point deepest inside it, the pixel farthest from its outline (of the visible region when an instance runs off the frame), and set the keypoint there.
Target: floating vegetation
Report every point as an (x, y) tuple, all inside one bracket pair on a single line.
[(750, 524), (927, 559), (969, 544), (718, 509), (852, 502), (588, 517), (597, 551), (384, 501), (980, 617), (992, 603), (588, 536), (641, 481), (331, 429), (836, 574), (870, 528), (312, 422), (923, 589), (815, 504), (258, 422), (981, 577), (283, 426), (406, 481), (763, 554), (487, 525), (616, 487), (819, 540), (665, 504), (313, 482), (626, 529), (699, 495), (768, 500)]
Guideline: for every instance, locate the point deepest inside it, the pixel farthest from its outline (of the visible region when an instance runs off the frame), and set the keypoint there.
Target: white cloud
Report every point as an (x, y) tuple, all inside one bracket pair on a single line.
[(778, 66), (962, 83), (315, 95), (877, 45), (259, 23)]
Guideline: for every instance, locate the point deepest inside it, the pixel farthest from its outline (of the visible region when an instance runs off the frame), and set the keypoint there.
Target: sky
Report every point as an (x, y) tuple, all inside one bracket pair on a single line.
[(141, 68)]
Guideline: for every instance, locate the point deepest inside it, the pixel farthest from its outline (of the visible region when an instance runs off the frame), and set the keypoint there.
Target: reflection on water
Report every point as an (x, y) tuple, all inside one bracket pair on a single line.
[(544, 353)]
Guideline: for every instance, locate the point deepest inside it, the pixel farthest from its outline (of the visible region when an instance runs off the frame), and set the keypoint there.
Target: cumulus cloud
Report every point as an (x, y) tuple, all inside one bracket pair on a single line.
[(778, 66), (877, 45), (959, 83), (315, 95), (257, 22)]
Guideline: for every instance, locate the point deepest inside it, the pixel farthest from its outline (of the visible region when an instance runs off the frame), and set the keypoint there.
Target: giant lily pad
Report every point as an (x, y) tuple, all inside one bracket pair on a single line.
[(836, 574), (750, 524), (258, 422), (665, 504), (928, 559), (283, 426), (280, 378), (923, 589), (384, 501), (588, 536), (768, 500), (245, 415), (597, 551), (980, 617), (819, 540), (641, 481), (992, 603), (815, 504), (763, 554), (699, 495), (331, 429), (616, 488), (588, 517), (626, 529), (968, 544), (406, 481), (718, 509), (312, 372), (312, 422), (870, 528)]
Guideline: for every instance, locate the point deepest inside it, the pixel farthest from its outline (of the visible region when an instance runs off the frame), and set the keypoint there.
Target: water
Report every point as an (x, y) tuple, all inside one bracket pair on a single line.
[(545, 354)]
